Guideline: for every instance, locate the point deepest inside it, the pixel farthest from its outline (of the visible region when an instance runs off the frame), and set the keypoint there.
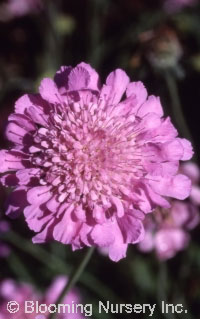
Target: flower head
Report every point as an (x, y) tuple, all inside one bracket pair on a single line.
[(19, 292), (23, 292), (87, 166), (173, 6), (18, 8), (168, 231)]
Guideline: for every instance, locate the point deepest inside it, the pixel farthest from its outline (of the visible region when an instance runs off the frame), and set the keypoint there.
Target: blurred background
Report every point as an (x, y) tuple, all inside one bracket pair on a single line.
[(157, 42)]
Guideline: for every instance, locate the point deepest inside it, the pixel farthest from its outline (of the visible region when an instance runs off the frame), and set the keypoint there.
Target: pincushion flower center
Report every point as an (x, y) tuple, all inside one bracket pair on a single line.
[(88, 154)]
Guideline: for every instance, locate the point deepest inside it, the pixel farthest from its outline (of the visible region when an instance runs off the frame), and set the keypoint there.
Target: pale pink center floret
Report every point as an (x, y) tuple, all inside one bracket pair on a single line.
[(89, 155)]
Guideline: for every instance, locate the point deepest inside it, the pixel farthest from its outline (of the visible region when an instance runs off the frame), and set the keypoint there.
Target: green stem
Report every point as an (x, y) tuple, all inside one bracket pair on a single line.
[(177, 111), (162, 289), (74, 278)]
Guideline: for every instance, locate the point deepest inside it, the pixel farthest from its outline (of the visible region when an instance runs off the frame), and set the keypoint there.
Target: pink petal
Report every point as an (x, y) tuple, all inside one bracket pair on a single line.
[(44, 235), (119, 206), (164, 133), (117, 251), (178, 186), (169, 241), (66, 228), (80, 213), (22, 104), (35, 219), (99, 214), (38, 116), (187, 148), (12, 160), (16, 134), (132, 229), (152, 105), (126, 107), (147, 244), (49, 91), (23, 121), (116, 84), (26, 175), (94, 77), (39, 194), (84, 232), (180, 213), (156, 199), (162, 169), (102, 235), (151, 122), (53, 204), (79, 79), (138, 90), (195, 195), (169, 151), (172, 151), (191, 170)]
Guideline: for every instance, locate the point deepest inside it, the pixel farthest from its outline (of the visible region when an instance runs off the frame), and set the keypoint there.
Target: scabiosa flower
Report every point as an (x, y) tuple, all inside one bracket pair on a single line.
[(18, 8), (22, 292), (87, 166), (71, 299), (11, 290), (167, 231), (173, 6)]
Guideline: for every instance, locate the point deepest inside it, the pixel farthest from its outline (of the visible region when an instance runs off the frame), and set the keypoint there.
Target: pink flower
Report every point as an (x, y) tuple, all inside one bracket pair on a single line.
[(19, 292), (72, 297), (168, 231), (87, 166), (23, 292), (18, 8), (172, 6)]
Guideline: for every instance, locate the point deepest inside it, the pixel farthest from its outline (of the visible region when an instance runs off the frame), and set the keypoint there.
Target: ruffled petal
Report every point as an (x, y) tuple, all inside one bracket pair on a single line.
[(45, 235), (22, 104), (94, 77), (187, 149), (49, 91), (36, 217), (192, 171), (152, 105), (39, 194), (178, 186), (116, 84), (26, 176), (137, 90), (66, 228), (102, 235), (22, 121), (12, 160), (79, 79), (18, 134), (132, 229), (169, 241)]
